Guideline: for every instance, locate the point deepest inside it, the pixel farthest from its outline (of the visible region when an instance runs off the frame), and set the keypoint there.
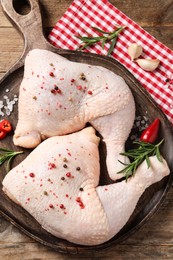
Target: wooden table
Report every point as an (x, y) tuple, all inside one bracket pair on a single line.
[(155, 239)]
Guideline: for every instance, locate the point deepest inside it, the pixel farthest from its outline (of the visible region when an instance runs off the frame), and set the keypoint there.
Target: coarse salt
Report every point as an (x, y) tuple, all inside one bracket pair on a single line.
[(7, 104), (140, 124)]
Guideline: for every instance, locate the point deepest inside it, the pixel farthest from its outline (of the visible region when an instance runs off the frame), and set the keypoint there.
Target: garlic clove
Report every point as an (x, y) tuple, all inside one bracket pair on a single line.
[(134, 50), (148, 64)]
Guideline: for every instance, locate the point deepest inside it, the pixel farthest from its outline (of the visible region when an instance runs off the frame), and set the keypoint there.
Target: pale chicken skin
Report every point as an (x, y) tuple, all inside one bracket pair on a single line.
[(58, 185), (58, 97)]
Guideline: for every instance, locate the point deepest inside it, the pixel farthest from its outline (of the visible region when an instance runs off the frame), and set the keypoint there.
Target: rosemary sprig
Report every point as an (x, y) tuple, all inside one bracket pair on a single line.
[(104, 38), (138, 155), (7, 155)]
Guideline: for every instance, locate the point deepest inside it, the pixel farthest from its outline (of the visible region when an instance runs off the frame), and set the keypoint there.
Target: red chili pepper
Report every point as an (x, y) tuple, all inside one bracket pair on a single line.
[(150, 134), (2, 134), (5, 126)]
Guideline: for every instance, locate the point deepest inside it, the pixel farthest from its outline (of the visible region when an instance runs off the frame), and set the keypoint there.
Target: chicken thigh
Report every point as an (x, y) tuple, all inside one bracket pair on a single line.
[(58, 185), (58, 96)]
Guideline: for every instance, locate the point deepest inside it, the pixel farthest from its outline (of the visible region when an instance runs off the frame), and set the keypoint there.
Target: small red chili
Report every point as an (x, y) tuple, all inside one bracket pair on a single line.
[(150, 134), (5, 126), (2, 134)]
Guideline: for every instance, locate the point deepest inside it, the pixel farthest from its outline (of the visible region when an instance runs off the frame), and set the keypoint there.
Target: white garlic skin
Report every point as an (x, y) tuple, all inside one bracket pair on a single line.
[(148, 64), (134, 51)]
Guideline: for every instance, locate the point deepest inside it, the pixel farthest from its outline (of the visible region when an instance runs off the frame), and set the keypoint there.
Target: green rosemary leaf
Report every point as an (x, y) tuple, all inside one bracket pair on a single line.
[(140, 154), (112, 46), (105, 37), (126, 169), (5, 150), (99, 30), (9, 163), (131, 153), (8, 155), (147, 161), (2, 160), (84, 46), (122, 163), (143, 144), (103, 43), (158, 154), (134, 168), (89, 39)]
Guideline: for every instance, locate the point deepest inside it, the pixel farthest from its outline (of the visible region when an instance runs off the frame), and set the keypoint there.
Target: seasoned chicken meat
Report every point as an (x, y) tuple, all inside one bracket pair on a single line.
[(58, 96), (58, 185)]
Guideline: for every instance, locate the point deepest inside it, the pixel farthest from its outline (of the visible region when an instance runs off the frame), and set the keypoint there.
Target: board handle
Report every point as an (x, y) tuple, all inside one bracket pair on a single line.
[(29, 24)]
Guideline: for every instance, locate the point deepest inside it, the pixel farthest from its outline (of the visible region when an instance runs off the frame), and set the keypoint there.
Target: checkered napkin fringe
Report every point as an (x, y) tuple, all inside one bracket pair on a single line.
[(82, 15)]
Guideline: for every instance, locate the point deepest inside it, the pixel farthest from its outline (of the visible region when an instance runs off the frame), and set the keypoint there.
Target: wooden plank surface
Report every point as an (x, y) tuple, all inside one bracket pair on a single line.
[(155, 239)]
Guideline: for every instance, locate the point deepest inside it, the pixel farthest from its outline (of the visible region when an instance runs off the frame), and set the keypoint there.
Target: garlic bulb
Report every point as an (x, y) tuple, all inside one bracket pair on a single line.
[(134, 50), (148, 64)]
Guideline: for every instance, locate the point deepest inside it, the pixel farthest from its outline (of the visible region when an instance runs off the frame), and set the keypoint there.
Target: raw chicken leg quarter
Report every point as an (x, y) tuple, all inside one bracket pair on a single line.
[(58, 96), (60, 189)]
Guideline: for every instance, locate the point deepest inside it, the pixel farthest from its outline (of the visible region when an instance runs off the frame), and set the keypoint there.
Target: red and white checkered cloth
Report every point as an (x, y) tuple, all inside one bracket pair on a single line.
[(82, 14)]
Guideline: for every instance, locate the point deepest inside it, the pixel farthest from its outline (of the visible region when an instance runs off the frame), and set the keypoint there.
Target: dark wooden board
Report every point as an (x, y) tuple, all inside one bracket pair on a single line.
[(153, 196)]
